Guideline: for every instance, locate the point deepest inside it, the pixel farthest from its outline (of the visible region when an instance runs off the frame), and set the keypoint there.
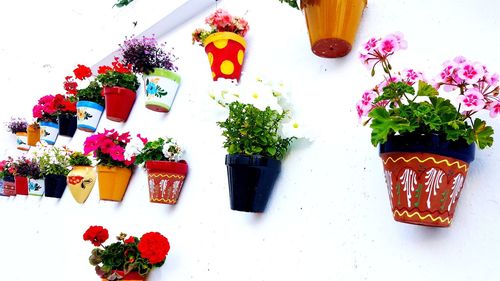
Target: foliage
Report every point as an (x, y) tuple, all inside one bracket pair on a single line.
[(220, 21), (7, 168), (130, 254), (53, 160), (93, 93), (145, 54), (161, 149), (119, 75), (79, 159), (16, 125), (292, 3), (25, 167), (405, 103), (122, 3), (111, 148)]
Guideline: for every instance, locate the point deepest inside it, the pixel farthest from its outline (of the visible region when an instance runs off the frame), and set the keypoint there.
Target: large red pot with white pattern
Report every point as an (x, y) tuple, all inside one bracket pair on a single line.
[(165, 180), (425, 175)]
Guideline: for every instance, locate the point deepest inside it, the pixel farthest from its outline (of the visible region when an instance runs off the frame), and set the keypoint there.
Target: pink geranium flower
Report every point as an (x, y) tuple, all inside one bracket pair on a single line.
[(471, 100), (470, 73), (388, 45), (494, 108)]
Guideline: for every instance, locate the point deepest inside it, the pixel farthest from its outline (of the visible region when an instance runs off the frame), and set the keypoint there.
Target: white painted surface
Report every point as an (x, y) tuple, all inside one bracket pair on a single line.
[(329, 216)]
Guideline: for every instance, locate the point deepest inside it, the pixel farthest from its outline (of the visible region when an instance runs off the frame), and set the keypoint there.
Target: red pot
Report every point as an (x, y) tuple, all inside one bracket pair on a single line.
[(21, 185), (119, 102), (165, 180), (131, 276)]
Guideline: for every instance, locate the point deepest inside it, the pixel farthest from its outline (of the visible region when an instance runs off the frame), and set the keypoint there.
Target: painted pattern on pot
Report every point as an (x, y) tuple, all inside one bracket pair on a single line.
[(22, 141), (36, 187), (88, 115), (9, 187), (423, 187), (81, 180), (226, 52), (49, 132), (161, 88)]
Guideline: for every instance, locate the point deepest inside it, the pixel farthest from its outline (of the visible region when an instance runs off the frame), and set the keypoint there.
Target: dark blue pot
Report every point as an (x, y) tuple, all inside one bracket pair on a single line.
[(429, 143), (55, 185), (67, 125), (251, 181)]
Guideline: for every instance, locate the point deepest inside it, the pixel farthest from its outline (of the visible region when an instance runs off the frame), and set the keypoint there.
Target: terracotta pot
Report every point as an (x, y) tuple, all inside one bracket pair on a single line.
[(118, 102), (33, 134), (21, 185), (22, 141), (88, 115), (113, 182), (67, 125), (251, 181), (332, 25), (161, 88), (81, 180), (36, 187), (9, 186), (425, 175), (49, 132), (131, 276), (226, 52), (165, 180), (55, 185)]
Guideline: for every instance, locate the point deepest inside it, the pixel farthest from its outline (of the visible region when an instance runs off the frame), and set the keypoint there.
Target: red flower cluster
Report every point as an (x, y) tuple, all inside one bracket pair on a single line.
[(70, 85), (63, 104), (154, 247), (96, 235), (82, 72), (117, 66)]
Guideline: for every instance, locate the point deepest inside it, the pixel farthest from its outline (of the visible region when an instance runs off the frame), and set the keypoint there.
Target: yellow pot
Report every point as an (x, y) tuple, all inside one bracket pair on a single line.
[(81, 180), (113, 182)]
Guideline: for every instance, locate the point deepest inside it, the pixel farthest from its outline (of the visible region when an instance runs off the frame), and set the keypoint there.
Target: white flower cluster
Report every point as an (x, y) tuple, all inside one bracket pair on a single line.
[(133, 148), (171, 150), (52, 157)]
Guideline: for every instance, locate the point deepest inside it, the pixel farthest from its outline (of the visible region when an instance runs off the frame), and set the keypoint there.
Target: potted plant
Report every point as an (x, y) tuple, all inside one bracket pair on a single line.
[(82, 177), (46, 115), (114, 162), (28, 177), (129, 258), (224, 43), (426, 142), (119, 86), (18, 127), (66, 114), (332, 24), (33, 131), (7, 176), (54, 165), (166, 171), (161, 81), (90, 100), (258, 132)]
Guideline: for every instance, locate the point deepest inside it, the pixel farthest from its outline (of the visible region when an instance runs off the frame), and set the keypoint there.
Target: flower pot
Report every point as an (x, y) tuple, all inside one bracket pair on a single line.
[(36, 187), (49, 132), (165, 180), (22, 141), (55, 185), (425, 175), (81, 180), (21, 185), (251, 181), (33, 135), (113, 182), (131, 276), (88, 115), (67, 125), (161, 87), (226, 51), (9, 186), (332, 25), (118, 102)]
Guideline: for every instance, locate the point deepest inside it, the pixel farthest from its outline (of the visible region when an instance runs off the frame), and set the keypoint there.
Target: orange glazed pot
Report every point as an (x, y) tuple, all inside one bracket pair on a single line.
[(33, 134), (225, 51), (165, 180), (332, 25), (113, 182)]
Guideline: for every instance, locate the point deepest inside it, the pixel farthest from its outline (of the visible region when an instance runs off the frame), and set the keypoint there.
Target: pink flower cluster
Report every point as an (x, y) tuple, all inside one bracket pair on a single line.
[(378, 50), (108, 147), (221, 20), (478, 87), (45, 108)]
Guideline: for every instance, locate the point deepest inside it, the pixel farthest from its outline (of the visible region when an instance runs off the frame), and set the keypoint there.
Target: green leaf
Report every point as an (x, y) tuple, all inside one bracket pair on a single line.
[(383, 124), (482, 133), (271, 151), (426, 90)]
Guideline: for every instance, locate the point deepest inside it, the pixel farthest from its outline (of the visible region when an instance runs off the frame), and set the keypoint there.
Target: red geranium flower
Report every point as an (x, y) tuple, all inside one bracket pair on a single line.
[(103, 69), (70, 85), (129, 240), (96, 235), (154, 247), (82, 72)]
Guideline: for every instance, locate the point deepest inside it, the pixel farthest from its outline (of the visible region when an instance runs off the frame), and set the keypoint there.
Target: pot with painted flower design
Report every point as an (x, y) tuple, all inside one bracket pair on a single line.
[(82, 177)]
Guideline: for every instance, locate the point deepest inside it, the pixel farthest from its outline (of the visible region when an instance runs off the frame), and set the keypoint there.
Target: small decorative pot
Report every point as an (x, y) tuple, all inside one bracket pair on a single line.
[(49, 132), (33, 134), (131, 276), (67, 125), (55, 185), (88, 114), (425, 175), (9, 186), (113, 182), (225, 51), (165, 180), (81, 180), (22, 141), (36, 187), (21, 185), (118, 102), (161, 87), (332, 25), (251, 181)]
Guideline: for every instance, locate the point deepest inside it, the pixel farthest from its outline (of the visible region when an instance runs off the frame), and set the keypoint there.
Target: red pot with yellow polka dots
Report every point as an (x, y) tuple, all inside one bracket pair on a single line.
[(226, 51)]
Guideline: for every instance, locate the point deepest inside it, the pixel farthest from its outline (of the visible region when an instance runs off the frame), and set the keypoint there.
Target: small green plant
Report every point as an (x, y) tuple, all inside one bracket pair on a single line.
[(292, 3), (122, 3), (53, 160), (79, 159), (92, 93), (161, 149)]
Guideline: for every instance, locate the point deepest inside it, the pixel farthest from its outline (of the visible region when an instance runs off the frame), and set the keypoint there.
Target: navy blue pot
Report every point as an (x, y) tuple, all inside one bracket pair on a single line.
[(55, 185), (67, 125), (251, 181)]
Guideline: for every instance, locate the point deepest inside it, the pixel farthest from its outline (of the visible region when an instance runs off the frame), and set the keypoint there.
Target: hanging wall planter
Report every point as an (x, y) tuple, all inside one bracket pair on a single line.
[(33, 134), (226, 52), (21, 185), (131, 276), (36, 187), (88, 114), (55, 185), (165, 180), (49, 132), (9, 186), (161, 88), (424, 176), (119, 102), (67, 125), (22, 141), (332, 25), (81, 180), (113, 182), (251, 181)]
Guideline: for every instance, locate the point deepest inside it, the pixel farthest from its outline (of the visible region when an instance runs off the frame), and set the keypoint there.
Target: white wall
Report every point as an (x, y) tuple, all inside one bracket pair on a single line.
[(329, 217)]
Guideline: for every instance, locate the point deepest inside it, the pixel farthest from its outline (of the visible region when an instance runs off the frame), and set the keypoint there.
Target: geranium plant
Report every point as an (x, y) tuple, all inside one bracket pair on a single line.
[(17, 125), (110, 148), (405, 103), (90, 91), (117, 75), (53, 160), (221, 21), (128, 255), (64, 104), (44, 110), (161, 149)]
